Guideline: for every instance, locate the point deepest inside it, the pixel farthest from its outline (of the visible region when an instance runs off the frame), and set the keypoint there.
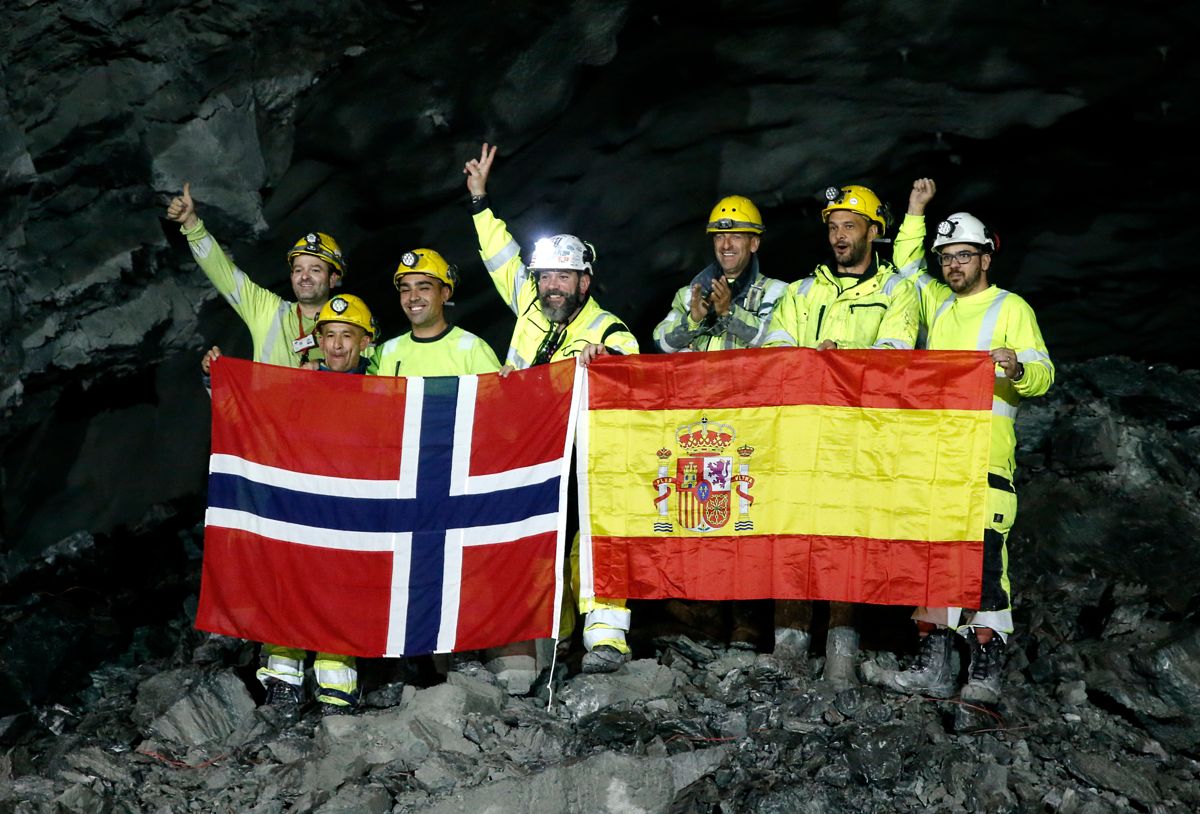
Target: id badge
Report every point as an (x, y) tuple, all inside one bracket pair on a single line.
[(301, 345)]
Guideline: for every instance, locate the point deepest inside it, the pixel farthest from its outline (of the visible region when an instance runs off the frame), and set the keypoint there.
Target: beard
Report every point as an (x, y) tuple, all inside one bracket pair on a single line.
[(966, 283), (856, 252), (561, 313)]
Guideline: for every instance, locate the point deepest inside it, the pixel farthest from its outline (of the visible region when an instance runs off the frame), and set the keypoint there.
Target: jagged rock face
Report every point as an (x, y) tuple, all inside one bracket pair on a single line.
[(623, 122)]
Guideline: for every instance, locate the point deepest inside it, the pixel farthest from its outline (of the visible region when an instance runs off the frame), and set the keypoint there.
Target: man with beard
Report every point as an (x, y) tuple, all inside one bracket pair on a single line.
[(968, 312), (729, 303), (858, 300), (282, 331), (556, 319)]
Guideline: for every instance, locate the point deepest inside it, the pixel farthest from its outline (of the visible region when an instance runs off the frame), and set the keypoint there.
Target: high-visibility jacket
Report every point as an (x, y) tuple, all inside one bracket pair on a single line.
[(745, 326), (274, 322), (876, 310), (454, 352), (993, 318), (518, 287)]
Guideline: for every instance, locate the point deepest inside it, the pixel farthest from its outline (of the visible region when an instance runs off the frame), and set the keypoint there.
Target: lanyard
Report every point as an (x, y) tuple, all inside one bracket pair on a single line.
[(304, 342), (550, 345)]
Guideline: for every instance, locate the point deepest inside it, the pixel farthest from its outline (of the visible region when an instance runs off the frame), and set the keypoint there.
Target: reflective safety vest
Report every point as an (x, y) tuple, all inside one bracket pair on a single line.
[(518, 287), (993, 318), (454, 352), (745, 326), (875, 311), (275, 324)]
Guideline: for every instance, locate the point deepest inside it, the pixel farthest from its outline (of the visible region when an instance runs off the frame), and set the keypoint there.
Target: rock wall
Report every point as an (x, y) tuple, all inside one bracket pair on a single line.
[(1060, 123)]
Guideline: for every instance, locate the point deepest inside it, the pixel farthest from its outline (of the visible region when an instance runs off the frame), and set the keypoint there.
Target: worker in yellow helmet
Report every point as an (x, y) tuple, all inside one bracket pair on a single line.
[(729, 303), (557, 318), (281, 331), (344, 329), (432, 347), (966, 311), (855, 300)]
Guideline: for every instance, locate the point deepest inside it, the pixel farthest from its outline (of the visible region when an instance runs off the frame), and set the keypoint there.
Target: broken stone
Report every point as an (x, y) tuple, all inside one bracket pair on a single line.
[(192, 708)]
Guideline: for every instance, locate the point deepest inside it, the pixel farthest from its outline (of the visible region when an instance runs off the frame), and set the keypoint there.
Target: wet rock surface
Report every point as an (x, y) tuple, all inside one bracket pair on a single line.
[(1099, 712)]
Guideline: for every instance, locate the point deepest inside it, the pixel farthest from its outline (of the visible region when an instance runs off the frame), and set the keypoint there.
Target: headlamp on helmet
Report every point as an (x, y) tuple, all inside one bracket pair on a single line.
[(962, 227), (855, 198), (562, 253), (322, 246), (349, 309), (426, 261), (735, 213)]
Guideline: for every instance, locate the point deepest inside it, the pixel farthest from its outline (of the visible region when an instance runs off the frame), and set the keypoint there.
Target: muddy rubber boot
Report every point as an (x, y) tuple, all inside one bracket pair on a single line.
[(841, 656), (604, 658), (931, 674), (791, 646), (983, 676)]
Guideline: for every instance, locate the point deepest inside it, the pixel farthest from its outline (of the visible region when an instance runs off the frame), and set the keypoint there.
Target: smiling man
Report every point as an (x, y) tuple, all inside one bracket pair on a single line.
[(281, 331), (729, 303), (557, 318), (433, 347)]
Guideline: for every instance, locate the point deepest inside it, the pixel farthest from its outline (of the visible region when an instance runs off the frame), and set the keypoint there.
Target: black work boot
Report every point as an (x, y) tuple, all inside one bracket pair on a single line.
[(931, 674), (283, 696), (983, 677)]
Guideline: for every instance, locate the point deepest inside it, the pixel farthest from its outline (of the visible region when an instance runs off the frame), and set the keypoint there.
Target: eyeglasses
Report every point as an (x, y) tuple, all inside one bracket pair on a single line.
[(961, 257)]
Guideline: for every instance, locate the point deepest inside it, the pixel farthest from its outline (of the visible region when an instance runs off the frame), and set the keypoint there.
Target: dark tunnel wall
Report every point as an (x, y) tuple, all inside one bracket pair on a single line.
[(1065, 126)]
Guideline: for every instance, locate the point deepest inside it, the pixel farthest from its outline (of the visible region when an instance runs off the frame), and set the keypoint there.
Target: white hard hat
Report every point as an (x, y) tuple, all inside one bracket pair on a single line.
[(562, 252), (962, 227)]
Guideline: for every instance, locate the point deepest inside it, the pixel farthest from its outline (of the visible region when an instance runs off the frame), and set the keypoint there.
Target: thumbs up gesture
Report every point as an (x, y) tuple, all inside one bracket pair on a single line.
[(182, 210)]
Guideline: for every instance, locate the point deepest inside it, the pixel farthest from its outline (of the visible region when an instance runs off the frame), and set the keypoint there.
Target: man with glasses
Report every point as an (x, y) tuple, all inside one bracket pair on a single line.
[(557, 318), (856, 300), (967, 312)]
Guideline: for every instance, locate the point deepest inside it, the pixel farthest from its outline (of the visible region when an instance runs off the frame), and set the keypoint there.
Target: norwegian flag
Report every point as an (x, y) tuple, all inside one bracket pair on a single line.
[(380, 516)]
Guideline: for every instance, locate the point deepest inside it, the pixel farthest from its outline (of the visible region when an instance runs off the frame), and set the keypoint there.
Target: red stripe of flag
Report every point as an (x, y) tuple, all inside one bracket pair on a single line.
[(766, 377), (792, 566)]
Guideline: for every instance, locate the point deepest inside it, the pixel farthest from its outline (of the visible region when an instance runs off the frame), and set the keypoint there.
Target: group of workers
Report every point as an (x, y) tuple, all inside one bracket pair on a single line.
[(858, 299)]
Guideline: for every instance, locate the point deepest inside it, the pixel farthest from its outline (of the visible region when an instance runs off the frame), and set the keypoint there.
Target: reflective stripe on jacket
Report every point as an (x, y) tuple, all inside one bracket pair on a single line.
[(273, 321), (877, 311), (993, 318), (501, 256), (745, 326)]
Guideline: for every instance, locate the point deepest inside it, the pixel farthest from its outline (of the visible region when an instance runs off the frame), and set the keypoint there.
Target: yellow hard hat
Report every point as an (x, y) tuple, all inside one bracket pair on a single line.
[(320, 245), (735, 213), (855, 198), (350, 309), (426, 261)]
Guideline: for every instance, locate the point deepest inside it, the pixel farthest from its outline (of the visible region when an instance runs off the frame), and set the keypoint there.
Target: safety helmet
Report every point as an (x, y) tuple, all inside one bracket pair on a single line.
[(855, 198), (562, 253), (348, 308), (320, 245), (735, 213), (962, 227), (426, 261)]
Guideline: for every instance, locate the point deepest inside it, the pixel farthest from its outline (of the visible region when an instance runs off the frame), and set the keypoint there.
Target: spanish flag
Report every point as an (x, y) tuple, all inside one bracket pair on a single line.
[(786, 473)]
